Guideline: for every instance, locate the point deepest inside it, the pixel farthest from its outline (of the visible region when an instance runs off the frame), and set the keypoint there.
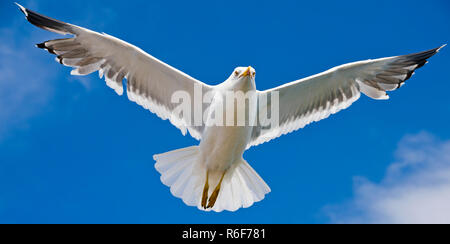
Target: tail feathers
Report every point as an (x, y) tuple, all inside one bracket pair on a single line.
[(241, 188), (180, 170)]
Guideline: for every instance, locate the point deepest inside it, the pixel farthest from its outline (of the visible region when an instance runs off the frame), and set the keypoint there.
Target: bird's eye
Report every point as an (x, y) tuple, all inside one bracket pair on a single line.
[(254, 73), (236, 72)]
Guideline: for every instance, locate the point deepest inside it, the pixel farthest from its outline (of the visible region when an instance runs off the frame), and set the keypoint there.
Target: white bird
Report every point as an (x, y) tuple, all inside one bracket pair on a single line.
[(214, 175)]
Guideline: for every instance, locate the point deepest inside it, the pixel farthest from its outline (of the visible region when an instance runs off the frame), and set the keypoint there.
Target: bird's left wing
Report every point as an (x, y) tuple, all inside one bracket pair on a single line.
[(150, 82), (316, 97)]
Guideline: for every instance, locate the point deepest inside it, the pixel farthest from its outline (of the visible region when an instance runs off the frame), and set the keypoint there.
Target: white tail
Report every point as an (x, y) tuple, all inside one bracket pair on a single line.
[(180, 170)]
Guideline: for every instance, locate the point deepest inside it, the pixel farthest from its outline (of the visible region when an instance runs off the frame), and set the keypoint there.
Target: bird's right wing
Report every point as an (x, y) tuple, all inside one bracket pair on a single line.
[(316, 97), (150, 82)]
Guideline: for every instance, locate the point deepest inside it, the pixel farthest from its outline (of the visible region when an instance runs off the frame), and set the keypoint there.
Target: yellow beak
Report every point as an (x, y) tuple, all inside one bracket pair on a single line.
[(247, 72)]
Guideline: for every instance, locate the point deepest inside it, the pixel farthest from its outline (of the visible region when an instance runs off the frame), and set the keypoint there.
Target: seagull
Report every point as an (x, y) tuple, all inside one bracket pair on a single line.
[(213, 175)]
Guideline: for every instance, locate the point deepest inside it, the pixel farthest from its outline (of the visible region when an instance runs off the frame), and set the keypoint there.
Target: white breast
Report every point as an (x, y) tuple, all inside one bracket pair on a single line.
[(223, 145)]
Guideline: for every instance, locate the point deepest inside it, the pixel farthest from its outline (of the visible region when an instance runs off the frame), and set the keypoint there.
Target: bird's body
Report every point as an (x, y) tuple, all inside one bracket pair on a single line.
[(222, 146), (214, 175)]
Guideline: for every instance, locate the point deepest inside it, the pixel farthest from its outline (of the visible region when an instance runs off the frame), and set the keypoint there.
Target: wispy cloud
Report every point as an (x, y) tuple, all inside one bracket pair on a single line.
[(415, 189), (26, 75), (23, 89)]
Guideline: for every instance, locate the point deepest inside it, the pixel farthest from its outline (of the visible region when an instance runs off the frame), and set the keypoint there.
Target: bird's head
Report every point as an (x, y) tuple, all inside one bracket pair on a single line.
[(243, 76), (243, 73)]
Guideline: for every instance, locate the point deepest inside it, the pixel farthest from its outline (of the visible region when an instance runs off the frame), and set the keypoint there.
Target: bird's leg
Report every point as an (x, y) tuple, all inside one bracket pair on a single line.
[(205, 191), (213, 197)]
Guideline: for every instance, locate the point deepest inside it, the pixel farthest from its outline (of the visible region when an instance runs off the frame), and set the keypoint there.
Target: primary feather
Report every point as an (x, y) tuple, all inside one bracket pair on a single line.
[(150, 82), (316, 97)]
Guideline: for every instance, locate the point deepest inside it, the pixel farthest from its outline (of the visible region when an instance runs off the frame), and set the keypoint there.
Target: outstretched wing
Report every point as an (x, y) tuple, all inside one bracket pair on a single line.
[(316, 97), (150, 82)]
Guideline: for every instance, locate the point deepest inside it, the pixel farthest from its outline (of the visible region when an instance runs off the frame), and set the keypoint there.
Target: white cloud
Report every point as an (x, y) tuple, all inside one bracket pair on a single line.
[(23, 89), (415, 189), (27, 76)]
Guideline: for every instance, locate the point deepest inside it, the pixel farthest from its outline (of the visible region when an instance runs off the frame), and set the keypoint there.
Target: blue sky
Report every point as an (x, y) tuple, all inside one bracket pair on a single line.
[(72, 151)]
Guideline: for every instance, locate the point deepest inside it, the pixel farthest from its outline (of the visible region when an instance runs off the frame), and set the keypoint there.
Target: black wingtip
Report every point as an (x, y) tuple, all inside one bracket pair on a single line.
[(23, 9), (45, 22), (41, 45), (59, 59)]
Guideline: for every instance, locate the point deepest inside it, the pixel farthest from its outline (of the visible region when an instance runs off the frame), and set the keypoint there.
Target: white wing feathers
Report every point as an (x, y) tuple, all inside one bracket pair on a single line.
[(150, 82), (316, 97)]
